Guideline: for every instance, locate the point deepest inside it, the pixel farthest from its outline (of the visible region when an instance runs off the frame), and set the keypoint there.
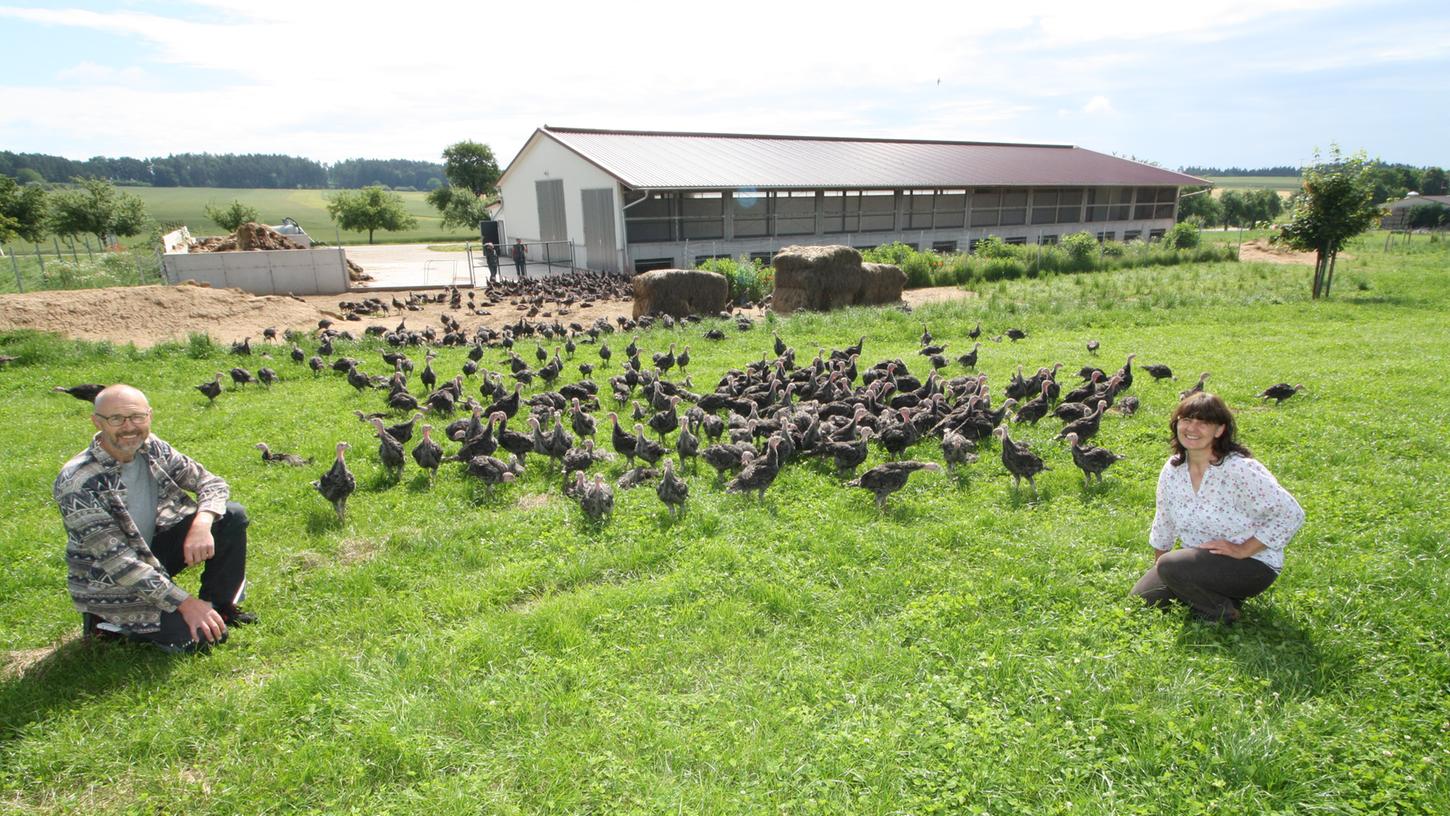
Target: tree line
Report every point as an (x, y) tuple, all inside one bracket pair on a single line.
[(1388, 181), (272, 171)]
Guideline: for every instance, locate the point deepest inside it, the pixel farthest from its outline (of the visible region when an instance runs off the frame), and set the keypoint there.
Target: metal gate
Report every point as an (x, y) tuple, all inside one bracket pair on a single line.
[(600, 249)]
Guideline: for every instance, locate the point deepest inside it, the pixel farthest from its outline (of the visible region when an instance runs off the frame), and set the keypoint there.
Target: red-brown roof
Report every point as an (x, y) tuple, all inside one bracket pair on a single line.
[(651, 160)]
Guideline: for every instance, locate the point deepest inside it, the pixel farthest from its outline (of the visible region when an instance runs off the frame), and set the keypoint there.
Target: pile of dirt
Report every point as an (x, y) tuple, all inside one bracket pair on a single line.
[(146, 315), (253, 236)]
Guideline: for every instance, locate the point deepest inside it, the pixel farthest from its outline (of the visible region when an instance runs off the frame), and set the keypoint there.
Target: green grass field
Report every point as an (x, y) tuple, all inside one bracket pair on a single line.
[(1287, 184), (967, 651), (187, 205)]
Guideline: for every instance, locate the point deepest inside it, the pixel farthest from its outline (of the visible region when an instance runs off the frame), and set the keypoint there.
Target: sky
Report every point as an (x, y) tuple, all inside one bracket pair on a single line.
[(1247, 83)]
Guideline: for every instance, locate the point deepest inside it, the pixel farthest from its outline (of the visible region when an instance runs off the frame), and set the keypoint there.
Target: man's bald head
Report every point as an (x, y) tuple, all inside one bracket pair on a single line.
[(121, 394)]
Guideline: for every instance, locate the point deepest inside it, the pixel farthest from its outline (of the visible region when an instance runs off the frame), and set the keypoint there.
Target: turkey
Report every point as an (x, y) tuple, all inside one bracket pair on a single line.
[(847, 456), (760, 473), (595, 498), (644, 447), (969, 359), (1036, 408), (1280, 392), (337, 483), (958, 450), (1086, 427), (672, 490), (390, 451), (1202, 379), (492, 471), (290, 459), (1020, 461), (212, 389), (885, 479), (241, 376), (1159, 372), (1090, 460), (267, 376), (428, 454)]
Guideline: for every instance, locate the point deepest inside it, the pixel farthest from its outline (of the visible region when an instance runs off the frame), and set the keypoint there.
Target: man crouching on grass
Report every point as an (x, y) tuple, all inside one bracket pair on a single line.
[(130, 526)]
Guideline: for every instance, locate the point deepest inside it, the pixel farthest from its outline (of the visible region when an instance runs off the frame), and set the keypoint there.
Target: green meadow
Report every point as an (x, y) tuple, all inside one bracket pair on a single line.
[(1287, 184), (187, 205), (969, 650)]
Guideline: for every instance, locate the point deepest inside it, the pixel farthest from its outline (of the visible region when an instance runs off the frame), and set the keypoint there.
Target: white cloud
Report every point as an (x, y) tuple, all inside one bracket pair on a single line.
[(90, 72), (1098, 105)]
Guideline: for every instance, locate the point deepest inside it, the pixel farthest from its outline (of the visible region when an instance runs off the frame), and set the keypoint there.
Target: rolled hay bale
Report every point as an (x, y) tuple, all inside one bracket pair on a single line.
[(822, 278), (680, 292)]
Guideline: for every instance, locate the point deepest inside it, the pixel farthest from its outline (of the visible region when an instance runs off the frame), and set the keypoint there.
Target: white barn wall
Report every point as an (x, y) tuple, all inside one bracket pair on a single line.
[(545, 159)]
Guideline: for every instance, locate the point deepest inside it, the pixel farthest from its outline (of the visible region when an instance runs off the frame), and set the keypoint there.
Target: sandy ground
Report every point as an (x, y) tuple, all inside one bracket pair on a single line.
[(146, 315), (1261, 250)]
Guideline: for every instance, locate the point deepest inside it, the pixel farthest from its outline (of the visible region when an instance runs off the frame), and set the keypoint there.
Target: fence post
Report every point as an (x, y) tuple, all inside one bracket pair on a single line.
[(40, 258), (140, 273), (161, 267), (19, 284), (59, 256), (89, 256)]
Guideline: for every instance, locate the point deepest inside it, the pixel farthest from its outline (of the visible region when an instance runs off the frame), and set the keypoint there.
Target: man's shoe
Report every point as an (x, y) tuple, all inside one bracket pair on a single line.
[(239, 617)]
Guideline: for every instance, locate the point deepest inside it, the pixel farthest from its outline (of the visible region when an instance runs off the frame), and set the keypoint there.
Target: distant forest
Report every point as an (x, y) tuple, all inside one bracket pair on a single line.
[(1284, 170), (226, 170)]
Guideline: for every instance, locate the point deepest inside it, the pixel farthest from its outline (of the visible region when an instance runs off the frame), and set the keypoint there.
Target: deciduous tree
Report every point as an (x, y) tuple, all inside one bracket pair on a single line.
[(23, 211), (371, 208), (96, 207), (1336, 204), (231, 216)]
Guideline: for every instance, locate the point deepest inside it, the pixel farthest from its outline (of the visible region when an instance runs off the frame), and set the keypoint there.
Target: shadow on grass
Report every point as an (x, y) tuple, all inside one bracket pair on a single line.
[(321, 521), (76, 670), (1271, 646)]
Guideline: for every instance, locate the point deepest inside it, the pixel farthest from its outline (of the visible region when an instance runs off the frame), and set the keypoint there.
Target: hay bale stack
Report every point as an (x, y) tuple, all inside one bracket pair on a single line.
[(680, 292), (822, 278)]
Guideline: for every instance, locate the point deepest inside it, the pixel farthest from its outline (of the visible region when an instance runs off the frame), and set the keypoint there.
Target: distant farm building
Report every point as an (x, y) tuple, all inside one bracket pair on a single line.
[(640, 200), (1399, 217)]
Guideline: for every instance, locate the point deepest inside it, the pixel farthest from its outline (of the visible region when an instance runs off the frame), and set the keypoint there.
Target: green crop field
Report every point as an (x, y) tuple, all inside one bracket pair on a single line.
[(1287, 184), (969, 650), (187, 205)]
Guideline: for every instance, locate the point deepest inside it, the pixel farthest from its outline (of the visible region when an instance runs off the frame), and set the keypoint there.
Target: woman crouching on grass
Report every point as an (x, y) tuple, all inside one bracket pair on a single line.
[(1228, 510)]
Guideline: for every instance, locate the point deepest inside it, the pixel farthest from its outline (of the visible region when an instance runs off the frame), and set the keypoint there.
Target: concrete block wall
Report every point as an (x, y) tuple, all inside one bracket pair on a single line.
[(276, 272)]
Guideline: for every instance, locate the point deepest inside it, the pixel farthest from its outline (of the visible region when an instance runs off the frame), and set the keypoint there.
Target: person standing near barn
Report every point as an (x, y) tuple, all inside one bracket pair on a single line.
[(490, 254), (520, 254), (1232, 517), (131, 525)]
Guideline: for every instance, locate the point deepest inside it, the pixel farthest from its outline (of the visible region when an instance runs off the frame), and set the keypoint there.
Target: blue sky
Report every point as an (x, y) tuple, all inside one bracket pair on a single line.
[(1218, 82)]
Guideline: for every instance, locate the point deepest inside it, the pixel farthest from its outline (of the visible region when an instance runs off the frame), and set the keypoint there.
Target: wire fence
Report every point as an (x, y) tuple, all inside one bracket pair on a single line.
[(69, 263)]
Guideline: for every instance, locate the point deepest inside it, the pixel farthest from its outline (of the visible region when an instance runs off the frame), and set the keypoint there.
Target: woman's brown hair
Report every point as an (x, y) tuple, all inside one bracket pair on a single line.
[(1206, 407)]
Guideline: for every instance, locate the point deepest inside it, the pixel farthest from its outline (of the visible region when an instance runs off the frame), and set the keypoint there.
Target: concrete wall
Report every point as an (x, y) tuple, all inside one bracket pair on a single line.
[(262, 272), (543, 158)]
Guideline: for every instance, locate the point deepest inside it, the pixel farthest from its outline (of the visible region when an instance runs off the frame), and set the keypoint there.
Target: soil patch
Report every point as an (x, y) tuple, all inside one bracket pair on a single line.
[(147, 315), (1261, 250)]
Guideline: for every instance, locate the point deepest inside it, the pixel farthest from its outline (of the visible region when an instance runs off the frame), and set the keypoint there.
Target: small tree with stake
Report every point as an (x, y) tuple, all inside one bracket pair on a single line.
[(231, 216), (371, 208), (1334, 206)]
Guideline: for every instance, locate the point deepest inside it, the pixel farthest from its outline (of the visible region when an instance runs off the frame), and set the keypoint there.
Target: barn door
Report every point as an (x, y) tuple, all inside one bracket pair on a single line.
[(601, 252), (550, 193)]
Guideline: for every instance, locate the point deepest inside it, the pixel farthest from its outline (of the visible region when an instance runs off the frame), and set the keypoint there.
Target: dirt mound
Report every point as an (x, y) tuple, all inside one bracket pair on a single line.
[(248, 236), (146, 315)]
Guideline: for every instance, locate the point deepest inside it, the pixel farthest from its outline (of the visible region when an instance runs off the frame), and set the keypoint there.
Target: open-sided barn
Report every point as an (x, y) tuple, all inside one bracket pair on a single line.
[(639, 200)]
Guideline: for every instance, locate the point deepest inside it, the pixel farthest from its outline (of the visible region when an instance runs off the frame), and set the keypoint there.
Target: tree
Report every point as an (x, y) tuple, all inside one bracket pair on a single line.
[(96, 207), (1337, 203), (459, 207), (1235, 208), (1263, 206), (1200, 208), (231, 216), (472, 175), (29, 175), (1434, 182), (23, 211), (1429, 216), (371, 208), (471, 166)]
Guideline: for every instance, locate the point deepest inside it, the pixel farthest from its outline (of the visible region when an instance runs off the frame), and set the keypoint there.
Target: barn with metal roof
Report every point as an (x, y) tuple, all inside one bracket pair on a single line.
[(638, 200)]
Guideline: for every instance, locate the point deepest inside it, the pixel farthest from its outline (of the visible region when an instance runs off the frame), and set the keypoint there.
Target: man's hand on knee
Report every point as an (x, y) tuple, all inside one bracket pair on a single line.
[(199, 544)]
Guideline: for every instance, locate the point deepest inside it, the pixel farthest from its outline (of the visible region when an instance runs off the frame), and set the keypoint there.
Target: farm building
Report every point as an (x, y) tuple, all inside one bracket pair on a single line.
[(640, 200), (1399, 211)]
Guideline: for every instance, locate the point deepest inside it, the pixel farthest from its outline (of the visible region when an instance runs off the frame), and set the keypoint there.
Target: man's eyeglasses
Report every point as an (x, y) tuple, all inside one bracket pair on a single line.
[(120, 419)]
